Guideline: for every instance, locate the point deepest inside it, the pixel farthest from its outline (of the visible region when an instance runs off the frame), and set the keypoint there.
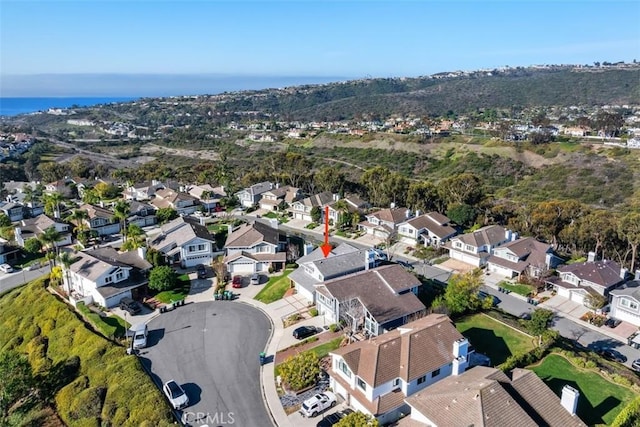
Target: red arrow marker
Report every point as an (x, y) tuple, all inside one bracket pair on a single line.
[(326, 247)]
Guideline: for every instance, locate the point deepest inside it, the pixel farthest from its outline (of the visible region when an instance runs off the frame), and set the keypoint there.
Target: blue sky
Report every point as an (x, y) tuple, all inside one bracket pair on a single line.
[(347, 39)]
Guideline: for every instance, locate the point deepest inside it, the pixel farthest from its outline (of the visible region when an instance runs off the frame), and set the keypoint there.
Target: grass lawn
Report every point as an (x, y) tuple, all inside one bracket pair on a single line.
[(275, 288), (176, 294), (321, 351), (600, 400), (518, 288), (490, 337)]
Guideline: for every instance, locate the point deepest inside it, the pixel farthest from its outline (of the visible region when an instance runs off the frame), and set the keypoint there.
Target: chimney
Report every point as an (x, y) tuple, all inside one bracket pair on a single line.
[(460, 348), (637, 276), (569, 399), (591, 257), (623, 273), (514, 236), (307, 249), (369, 259), (142, 252), (417, 212), (548, 257), (407, 213), (507, 235)]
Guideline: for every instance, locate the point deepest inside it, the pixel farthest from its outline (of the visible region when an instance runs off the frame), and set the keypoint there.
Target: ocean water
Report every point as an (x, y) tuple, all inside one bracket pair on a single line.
[(16, 106)]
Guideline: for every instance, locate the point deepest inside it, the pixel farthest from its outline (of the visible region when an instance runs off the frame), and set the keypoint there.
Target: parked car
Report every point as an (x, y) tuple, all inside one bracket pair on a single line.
[(318, 403), (138, 334), (612, 355), (202, 271), (130, 306), (405, 265), (612, 323), (495, 300), (636, 365), (236, 282), (6, 268), (255, 279), (333, 419), (176, 395), (303, 332)]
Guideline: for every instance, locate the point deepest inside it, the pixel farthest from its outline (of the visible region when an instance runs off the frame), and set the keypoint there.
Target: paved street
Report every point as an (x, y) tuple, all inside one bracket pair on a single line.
[(584, 335), (212, 349), (9, 281)]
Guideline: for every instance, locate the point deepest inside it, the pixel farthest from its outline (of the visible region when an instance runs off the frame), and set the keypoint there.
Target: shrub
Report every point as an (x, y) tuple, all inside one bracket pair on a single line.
[(629, 416), (162, 278), (333, 327), (300, 371), (313, 312)]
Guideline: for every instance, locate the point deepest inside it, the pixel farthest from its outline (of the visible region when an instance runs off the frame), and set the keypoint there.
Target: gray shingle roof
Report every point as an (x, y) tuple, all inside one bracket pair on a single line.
[(631, 289), (248, 235), (604, 273), (489, 235), (178, 232)]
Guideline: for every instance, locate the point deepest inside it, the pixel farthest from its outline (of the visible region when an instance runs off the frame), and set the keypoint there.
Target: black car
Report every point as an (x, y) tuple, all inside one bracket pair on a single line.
[(612, 323), (332, 419), (304, 332), (129, 305), (202, 271), (611, 355)]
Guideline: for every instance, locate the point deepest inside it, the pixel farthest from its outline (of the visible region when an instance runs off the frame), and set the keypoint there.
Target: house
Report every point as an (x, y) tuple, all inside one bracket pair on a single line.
[(33, 227), (489, 397), (254, 247), (185, 241), (208, 196), (625, 301), (8, 252), (476, 247), (141, 214), (104, 276), (278, 196), (100, 220), (14, 211), (384, 222), (374, 300), (66, 188), (353, 204), (576, 281), (430, 229), (301, 209), (315, 268), (525, 256), (142, 190), (181, 202), (250, 196), (375, 376)]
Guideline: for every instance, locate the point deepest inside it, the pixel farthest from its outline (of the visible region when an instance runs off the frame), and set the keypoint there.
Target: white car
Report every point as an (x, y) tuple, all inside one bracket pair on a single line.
[(318, 403), (6, 268), (176, 395)]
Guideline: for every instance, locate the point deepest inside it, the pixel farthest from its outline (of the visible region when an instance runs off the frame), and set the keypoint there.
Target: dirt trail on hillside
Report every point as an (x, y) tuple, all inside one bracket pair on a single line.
[(192, 154)]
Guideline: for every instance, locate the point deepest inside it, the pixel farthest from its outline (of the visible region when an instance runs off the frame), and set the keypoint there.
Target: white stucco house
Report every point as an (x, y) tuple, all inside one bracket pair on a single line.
[(251, 196), (625, 301), (522, 257), (186, 242), (430, 229), (34, 227), (375, 376), (253, 248), (475, 248), (104, 276)]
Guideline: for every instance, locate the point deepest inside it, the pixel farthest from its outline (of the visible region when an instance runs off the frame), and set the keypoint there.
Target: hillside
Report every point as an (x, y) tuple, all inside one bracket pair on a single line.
[(81, 377), (430, 96)]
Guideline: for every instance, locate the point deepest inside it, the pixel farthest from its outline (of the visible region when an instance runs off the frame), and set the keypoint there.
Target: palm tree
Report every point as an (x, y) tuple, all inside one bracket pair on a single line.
[(52, 203), (121, 212), (49, 238), (66, 260), (77, 217), (135, 237)]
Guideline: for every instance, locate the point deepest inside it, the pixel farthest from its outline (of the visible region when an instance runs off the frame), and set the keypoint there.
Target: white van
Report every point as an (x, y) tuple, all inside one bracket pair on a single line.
[(138, 334)]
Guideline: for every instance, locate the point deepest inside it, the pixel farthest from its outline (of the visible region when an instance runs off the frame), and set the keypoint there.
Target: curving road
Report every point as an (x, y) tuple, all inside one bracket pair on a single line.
[(211, 349)]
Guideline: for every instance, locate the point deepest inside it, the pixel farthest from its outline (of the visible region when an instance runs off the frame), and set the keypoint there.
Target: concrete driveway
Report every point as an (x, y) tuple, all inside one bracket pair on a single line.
[(212, 349)]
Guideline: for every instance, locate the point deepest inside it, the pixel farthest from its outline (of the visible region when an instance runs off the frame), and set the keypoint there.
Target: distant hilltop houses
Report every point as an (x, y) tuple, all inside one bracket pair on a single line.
[(14, 144)]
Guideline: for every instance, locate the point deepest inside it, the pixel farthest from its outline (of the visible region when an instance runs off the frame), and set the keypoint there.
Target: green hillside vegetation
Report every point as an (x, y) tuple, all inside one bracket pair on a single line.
[(425, 96), (87, 379)]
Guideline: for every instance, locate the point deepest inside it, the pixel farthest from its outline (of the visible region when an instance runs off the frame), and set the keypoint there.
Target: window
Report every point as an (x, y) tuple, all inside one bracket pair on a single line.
[(108, 279), (469, 248), (422, 379), (457, 244), (344, 368), (119, 275), (361, 383), (396, 382), (435, 373), (201, 247), (628, 304)]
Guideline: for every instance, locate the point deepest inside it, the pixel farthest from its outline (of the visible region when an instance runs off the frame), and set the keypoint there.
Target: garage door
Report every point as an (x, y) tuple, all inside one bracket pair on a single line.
[(241, 267), (577, 297)]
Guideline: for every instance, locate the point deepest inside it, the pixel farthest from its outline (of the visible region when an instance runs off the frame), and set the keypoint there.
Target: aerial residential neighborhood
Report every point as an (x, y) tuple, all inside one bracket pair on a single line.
[(457, 248)]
